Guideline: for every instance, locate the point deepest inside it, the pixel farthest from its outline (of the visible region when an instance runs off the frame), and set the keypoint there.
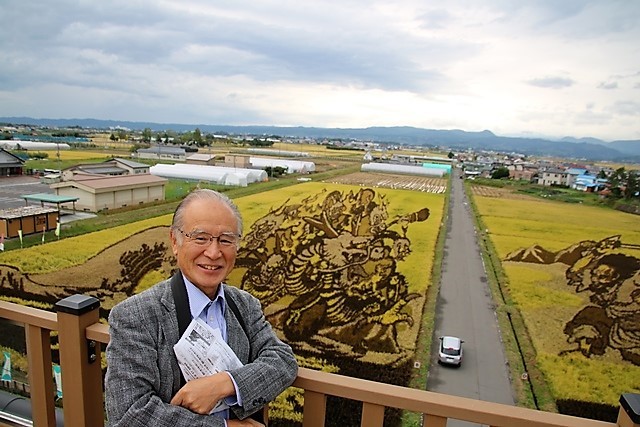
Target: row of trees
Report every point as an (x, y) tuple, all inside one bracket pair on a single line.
[(193, 138), (624, 184)]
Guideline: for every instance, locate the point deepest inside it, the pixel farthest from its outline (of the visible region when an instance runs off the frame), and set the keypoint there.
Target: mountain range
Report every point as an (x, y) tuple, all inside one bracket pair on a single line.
[(591, 149)]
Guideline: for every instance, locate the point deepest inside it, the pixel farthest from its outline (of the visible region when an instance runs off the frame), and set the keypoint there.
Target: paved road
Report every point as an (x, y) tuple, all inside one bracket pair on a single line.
[(465, 309)]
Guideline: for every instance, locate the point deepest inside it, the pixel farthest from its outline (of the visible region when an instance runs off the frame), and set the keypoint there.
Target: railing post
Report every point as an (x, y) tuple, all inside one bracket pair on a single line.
[(40, 376), (80, 362), (629, 415)]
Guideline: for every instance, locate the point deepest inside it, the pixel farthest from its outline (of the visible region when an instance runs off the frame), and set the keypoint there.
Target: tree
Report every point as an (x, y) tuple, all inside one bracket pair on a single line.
[(113, 137), (632, 188), (451, 155), (146, 135), (499, 173), (197, 136), (616, 181), (122, 135)]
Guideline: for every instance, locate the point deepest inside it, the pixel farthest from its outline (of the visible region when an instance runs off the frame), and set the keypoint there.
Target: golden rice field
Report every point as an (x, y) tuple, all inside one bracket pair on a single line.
[(580, 301), (377, 244)]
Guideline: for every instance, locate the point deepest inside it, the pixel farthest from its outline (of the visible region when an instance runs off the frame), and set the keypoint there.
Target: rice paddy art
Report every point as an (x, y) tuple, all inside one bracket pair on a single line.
[(334, 256), (611, 319)]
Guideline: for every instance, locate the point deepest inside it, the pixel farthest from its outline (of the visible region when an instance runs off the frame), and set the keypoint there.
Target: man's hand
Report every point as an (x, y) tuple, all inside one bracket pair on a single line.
[(244, 423), (202, 394)]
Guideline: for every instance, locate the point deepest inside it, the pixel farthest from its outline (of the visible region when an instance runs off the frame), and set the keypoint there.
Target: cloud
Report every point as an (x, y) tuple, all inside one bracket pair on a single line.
[(608, 85), (626, 108), (551, 82), (459, 64)]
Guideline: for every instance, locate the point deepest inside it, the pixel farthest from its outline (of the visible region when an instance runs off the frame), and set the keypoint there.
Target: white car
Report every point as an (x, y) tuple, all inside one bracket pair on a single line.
[(450, 350)]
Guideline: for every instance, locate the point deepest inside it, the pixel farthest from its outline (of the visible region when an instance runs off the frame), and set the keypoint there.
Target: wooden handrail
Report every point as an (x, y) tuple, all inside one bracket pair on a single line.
[(81, 334), (24, 315), (98, 332), (436, 404)]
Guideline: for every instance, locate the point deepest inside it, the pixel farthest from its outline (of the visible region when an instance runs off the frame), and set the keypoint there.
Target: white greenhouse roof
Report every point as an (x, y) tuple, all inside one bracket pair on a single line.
[(32, 145), (292, 166), (216, 174)]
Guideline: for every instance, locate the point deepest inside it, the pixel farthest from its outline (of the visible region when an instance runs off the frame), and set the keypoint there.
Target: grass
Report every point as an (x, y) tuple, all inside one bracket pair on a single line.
[(559, 194)]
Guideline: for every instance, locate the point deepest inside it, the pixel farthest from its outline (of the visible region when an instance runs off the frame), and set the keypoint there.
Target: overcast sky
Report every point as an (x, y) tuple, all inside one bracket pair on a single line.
[(516, 67)]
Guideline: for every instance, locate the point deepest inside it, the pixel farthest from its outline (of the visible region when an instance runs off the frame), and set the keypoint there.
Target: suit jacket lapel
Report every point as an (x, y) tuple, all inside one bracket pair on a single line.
[(236, 337)]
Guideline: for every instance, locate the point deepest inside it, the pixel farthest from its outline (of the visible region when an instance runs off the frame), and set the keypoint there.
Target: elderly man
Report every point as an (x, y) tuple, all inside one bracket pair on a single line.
[(144, 385)]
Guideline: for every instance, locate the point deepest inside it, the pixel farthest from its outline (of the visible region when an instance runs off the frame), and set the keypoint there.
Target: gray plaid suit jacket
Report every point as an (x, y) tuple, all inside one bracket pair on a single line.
[(143, 373)]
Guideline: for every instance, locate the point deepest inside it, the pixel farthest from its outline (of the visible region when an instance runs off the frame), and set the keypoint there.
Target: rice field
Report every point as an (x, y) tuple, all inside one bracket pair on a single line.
[(574, 274), (341, 270)]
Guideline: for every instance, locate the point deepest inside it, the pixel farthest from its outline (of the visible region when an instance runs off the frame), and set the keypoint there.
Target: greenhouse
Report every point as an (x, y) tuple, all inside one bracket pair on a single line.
[(292, 166), (216, 174), (33, 145)]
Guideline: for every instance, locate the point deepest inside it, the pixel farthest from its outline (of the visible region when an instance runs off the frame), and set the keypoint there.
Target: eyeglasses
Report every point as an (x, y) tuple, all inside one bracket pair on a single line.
[(202, 238)]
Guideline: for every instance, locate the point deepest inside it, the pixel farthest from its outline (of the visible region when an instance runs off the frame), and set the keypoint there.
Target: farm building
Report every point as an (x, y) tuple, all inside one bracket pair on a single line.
[(96, 193), (10, 165), (403, 169), (202, 159), (27, 220), (162, 152), (237, 161), (112, 167), (217, 174)]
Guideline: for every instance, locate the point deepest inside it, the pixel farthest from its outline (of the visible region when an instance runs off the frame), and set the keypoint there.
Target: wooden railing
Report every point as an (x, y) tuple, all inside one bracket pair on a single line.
[(81, 337)]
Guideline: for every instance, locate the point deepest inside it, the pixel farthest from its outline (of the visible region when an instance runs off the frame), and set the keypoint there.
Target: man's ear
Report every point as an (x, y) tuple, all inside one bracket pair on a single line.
[(174, 242)]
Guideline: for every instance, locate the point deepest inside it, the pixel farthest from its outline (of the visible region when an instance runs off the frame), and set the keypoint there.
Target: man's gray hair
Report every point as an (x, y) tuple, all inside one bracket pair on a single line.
[(205, 194)]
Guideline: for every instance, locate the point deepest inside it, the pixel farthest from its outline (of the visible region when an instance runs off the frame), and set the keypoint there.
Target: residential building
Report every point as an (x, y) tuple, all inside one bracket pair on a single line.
[(553, 176), (10, 164)]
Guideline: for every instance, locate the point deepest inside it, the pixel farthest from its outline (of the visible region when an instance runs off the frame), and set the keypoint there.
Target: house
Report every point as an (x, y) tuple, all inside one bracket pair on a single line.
[(589, 183), (553, 176), (96, 193), (521, 170), (162, 152), (10, 164), (573, 173), (112, 167)]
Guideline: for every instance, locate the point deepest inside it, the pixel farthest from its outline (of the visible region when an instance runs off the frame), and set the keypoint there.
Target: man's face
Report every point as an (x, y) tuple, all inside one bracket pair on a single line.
[(206, 266)]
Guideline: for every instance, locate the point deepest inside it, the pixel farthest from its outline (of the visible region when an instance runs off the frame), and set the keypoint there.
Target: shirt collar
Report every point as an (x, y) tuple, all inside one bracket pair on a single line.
[(198, 300)]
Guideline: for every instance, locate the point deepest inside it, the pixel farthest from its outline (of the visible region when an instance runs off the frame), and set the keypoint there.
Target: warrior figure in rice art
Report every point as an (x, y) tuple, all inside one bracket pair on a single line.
[(334, 256), (612, 281)]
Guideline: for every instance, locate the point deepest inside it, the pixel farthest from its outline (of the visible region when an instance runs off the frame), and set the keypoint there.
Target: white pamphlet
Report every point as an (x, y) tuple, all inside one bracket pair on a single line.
[(201, 352)]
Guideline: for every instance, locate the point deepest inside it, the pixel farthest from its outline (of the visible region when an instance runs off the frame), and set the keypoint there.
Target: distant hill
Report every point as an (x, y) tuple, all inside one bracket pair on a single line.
[(583, 148)]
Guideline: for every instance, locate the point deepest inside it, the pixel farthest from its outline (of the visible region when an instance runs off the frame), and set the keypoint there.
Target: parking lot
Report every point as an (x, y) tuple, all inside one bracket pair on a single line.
[(13, 188)]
